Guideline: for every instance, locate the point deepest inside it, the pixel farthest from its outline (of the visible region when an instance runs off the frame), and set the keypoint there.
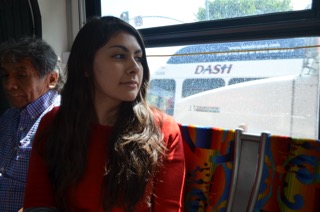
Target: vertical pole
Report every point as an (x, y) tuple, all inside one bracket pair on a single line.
[(207, 9)]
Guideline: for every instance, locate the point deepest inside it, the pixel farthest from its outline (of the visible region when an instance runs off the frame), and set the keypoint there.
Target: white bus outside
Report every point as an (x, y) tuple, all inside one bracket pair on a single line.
[(263, 85)]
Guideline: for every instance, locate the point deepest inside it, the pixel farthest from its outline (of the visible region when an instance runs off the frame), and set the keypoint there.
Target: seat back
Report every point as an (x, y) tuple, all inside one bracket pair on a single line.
[(289, 178), (209, 163)]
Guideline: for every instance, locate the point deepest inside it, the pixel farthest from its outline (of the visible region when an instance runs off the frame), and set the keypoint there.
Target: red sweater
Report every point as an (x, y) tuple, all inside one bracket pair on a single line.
[(168, 186)]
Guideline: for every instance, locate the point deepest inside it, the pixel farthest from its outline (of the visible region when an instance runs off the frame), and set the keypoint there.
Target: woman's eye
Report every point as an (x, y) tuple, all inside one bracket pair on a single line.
[(118, 56), (139, 59)]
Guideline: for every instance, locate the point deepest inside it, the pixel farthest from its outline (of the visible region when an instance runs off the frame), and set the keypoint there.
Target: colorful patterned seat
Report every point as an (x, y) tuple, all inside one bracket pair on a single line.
[(209, 164), (290, 176)]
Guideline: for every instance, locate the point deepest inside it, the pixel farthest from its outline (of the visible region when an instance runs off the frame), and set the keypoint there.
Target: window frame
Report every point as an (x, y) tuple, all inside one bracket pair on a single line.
[(266, 26), (270, 26)]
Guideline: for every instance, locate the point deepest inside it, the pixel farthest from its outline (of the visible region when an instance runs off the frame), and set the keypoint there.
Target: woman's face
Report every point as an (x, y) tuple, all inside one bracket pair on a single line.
[(118, 70)]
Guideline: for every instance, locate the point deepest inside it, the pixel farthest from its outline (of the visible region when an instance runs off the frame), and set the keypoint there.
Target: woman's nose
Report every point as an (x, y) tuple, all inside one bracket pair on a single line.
[(134, 66)]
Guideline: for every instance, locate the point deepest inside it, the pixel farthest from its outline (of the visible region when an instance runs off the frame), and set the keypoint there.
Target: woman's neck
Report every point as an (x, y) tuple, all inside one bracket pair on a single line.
[(106, 115)]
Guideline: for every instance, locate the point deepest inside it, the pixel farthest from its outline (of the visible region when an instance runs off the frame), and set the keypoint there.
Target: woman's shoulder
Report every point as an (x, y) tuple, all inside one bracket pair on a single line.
[(166, 122), (163, 118)]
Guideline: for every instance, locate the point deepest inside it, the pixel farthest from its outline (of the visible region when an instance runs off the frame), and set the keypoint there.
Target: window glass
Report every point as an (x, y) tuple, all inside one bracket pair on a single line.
[(161, 94), (194, 86), (284, 101), (240, 80), (153, 13)]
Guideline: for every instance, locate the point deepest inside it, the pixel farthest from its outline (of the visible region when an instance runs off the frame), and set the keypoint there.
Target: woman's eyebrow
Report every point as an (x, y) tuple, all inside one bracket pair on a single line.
[(125, 48)]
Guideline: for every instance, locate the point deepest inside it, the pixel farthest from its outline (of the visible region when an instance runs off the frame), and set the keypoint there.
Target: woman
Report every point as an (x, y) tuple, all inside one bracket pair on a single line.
[(104, 148)]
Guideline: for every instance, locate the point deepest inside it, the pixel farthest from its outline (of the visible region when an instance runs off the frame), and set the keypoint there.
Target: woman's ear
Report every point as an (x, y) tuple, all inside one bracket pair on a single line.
[(53, 79)]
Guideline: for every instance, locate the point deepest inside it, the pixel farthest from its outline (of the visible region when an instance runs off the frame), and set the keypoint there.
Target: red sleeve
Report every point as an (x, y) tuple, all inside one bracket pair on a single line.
[(38, 191), (169, 183)]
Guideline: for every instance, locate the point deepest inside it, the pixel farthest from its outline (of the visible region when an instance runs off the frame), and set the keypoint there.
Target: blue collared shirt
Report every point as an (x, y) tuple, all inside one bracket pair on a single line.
[(17, 131)]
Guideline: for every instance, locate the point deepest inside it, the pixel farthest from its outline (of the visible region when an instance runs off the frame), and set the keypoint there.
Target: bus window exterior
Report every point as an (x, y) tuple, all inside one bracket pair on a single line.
[(194, 86), (240, 80), (196, 69), (162, 94)]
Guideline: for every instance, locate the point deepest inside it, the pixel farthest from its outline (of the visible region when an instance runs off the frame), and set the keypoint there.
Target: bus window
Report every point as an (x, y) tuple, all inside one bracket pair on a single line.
[(161, 94), (164, 12), (194, 86), (240, 80), (275, 77)]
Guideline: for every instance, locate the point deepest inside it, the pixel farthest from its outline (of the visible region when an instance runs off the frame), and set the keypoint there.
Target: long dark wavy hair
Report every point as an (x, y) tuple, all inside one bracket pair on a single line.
[(136, 148)]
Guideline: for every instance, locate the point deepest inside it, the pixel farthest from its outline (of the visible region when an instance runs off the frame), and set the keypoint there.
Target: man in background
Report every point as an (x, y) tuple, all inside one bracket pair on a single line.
[(31, 83)]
